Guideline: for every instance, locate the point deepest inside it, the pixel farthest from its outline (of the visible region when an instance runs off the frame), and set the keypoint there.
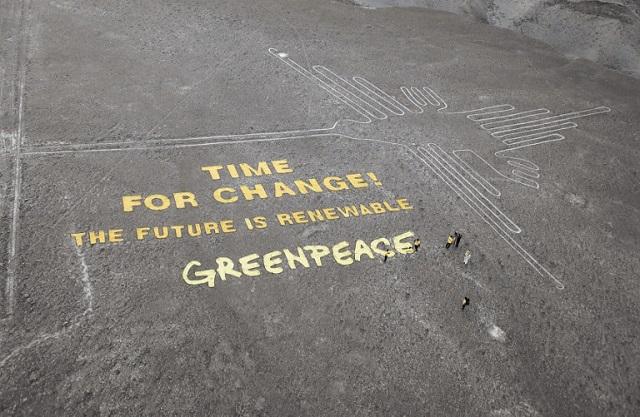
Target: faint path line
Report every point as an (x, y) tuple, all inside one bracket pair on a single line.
[(152, 144), (35, 342), (85, 282), (95, 185), (108, 131), (219, 141), (87, 300), (24, 44), (304, 51), (182, 100), (468, 276), (12, 267)]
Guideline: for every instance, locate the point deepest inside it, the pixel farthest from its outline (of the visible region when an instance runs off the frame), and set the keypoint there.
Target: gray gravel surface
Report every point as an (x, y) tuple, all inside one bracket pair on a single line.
[(102, 99)]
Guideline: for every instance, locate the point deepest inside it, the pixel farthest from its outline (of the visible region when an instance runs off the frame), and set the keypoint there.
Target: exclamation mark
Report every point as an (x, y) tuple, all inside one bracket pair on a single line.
[(375, 179)]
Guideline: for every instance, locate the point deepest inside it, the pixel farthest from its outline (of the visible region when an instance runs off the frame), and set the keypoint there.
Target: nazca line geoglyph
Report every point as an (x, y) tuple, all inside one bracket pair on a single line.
[(515, 129)]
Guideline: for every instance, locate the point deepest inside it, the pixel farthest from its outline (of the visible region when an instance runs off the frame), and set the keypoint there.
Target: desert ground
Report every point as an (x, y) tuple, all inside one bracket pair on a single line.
[(210, 208)]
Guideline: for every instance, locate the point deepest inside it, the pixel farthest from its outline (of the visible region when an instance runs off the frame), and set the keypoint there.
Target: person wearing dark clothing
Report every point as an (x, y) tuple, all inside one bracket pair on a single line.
[(465, 302), (458, 237)]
